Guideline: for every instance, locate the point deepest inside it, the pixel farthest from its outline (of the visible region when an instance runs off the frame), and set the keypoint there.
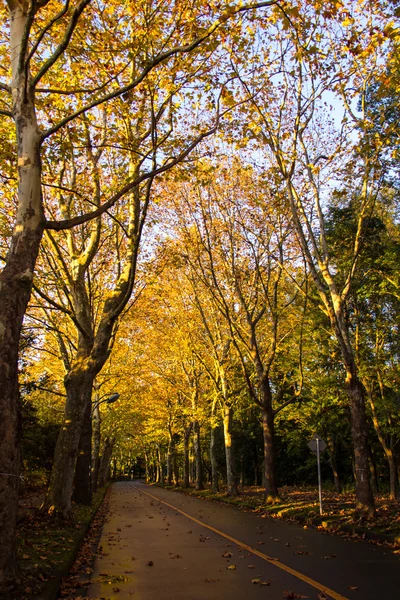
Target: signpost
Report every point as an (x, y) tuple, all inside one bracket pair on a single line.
[(318, 445)]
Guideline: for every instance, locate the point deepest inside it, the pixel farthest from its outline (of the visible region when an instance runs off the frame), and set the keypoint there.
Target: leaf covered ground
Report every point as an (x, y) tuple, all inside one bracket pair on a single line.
[(47, 548)]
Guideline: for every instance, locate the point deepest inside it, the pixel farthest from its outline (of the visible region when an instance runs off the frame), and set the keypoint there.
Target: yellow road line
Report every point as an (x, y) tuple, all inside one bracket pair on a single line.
[(319, 586)]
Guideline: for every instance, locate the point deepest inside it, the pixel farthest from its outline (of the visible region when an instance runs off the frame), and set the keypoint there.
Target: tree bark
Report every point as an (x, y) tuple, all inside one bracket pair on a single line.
[(213, 457), (105, 461), (96, 448), (332, 449), (394, 488), (271, 494), (15, 288), (160, 463), (170, 459), (359, 431), (83, 484), (147, 466), (186, 464), (372, 471), (229, 453), (197, 453), (78, 385)]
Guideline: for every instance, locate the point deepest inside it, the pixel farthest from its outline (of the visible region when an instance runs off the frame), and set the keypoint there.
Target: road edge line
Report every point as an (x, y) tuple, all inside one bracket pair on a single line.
[(315, 584)]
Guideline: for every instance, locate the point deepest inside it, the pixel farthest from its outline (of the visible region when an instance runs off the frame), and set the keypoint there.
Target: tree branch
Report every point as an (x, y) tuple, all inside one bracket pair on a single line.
[(68, 223), (161, 58), (63, 45)]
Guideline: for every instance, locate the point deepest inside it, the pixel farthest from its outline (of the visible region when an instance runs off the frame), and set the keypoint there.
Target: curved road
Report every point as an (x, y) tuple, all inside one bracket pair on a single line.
[(162, 545)]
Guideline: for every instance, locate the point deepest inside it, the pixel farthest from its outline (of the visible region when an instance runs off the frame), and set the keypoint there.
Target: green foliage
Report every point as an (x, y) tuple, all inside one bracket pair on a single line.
[(38, 444)]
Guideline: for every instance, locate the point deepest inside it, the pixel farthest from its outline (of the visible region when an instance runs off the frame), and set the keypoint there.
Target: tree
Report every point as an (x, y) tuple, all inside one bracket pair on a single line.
[(237, 252), (289, 121), (51, 46)]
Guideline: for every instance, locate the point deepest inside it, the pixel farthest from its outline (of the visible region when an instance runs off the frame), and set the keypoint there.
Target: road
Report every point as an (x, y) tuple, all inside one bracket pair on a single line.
[(162, 545)]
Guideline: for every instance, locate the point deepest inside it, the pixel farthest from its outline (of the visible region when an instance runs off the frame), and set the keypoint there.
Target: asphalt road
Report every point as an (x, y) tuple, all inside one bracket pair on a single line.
[(162, 545)]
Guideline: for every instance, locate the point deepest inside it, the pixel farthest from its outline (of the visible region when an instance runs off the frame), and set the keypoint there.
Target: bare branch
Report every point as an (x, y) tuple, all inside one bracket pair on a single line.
[(68, 223)]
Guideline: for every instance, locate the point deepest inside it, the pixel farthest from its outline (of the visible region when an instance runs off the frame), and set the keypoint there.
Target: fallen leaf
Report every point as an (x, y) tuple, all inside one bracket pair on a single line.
[(256, 581), (329, 556), (231, 567), (227, 554), (149, 563), (250, 566), (25, 556), (266, 582), (353, 587)]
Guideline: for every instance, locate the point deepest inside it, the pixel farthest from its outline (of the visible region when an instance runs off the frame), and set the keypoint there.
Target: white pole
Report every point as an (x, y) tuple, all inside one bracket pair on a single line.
[(319, 478)]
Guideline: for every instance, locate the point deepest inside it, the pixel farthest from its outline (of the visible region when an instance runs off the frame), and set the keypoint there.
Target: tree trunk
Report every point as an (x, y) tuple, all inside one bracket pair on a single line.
[(229, 454), (83, 484), (170, 460), (147, 467), (160, 467), (213, 457), (105, 462), (336, 478), (191, 467), (197, 453), (96, 447), (186, 463), (16, 285), (394, 489), (332, 449), (78, 385), (271, 490), (359, 431), (372, 471)]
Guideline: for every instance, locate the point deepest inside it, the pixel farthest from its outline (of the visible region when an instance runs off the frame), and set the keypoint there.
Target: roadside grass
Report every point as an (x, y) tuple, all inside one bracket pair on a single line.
[(47, 547), (302, 505)]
